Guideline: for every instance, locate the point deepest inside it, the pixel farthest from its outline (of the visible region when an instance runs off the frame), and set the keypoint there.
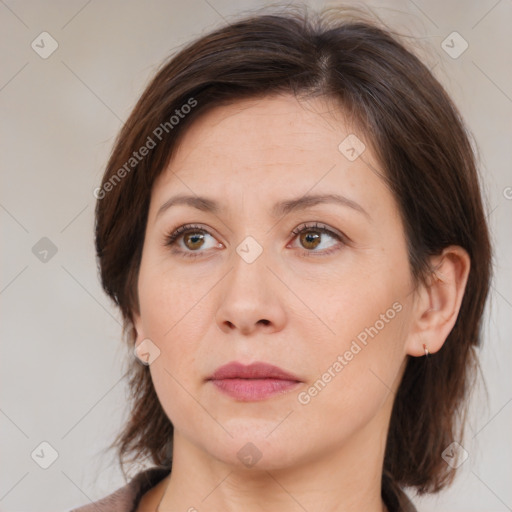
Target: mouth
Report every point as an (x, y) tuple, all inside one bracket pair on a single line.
[(254, 382)]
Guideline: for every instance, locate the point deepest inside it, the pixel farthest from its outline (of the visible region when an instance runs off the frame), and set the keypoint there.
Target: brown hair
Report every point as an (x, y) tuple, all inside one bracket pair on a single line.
[(419, 139)]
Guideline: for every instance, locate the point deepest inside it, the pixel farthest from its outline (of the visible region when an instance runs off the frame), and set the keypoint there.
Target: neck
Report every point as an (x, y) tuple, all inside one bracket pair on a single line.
[(347, 479)]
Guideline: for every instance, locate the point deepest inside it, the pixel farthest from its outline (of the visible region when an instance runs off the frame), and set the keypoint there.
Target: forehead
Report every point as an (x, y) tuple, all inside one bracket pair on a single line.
[(264, 127), (274, 146)]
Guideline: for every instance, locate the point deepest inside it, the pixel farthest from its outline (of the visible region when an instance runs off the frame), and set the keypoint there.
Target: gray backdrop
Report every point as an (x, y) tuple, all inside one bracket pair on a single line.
[(61, 108)]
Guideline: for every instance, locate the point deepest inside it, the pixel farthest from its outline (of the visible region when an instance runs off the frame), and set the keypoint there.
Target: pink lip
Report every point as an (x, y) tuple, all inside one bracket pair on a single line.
[(254, 382)]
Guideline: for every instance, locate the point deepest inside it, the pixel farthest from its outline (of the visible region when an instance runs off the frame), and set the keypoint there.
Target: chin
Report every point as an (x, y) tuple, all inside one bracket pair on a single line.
[(252, 448)]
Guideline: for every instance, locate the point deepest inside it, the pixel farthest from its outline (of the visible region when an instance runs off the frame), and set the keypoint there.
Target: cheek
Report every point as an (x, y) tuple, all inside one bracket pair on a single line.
[(173, 318), (177, 398), (361, 301), (175, 326), (355, 376), (354, 368), (170, 302)]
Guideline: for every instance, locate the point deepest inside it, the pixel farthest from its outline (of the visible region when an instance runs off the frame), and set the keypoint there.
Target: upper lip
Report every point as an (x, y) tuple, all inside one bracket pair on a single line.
[(258, 370)]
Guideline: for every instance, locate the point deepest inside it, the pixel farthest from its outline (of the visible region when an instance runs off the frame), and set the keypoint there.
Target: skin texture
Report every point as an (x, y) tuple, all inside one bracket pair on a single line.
[(296, 306)]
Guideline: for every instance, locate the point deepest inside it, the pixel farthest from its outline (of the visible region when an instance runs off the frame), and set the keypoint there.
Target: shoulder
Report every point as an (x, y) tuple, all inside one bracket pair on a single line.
[(126, 498)]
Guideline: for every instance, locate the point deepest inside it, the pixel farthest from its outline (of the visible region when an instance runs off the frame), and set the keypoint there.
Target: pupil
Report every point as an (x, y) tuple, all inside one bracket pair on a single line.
[(195, 238), (312, 238)]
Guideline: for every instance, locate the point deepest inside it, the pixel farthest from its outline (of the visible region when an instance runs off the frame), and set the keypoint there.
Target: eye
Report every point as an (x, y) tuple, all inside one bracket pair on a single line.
[(190, 239), (310, 237)]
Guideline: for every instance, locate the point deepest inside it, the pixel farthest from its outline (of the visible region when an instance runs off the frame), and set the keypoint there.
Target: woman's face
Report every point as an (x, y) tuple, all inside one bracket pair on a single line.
[(270, 268)]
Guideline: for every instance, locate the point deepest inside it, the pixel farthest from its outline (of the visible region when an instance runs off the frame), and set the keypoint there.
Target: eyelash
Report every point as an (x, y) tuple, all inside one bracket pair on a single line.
[(171, 239)]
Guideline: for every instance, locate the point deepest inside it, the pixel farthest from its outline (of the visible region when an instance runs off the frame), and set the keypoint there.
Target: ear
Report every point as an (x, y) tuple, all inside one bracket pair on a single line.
[(437, 302), (144, 350), (138, 328)]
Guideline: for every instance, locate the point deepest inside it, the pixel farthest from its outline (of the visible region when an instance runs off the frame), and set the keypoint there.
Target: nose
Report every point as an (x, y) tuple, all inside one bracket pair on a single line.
[(251, 299)]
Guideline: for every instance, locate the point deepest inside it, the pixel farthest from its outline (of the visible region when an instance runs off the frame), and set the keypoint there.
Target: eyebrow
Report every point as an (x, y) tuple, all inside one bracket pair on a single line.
[(279, 209)]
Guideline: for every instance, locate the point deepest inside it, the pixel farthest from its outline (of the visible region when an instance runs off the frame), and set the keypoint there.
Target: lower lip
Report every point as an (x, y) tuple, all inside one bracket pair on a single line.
[(252, 390)]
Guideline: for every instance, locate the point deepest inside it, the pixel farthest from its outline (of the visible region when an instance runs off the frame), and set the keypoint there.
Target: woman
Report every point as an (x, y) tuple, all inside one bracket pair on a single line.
[(292, 227)]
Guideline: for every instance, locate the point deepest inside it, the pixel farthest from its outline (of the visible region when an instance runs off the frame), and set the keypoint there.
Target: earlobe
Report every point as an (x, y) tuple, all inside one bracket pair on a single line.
[(140, 347), (438, 301)]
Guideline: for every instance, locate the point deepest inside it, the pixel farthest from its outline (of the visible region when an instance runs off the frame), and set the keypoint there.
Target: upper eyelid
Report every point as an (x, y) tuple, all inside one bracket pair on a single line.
[(320, 226)]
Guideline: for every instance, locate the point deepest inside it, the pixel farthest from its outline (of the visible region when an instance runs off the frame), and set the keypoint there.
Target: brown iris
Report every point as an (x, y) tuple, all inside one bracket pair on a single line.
[(310, 237), (196, 239)]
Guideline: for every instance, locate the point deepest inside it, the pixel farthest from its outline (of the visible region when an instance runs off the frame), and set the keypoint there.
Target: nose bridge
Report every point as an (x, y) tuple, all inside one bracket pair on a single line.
[(249, 298), (249, 275)]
